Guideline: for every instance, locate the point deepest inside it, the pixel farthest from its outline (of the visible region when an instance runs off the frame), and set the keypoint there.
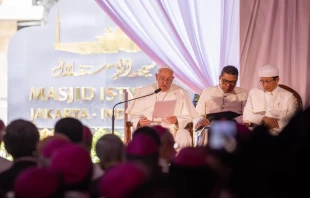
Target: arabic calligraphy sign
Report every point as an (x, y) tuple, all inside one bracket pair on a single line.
[(65, 69), (123, 68)]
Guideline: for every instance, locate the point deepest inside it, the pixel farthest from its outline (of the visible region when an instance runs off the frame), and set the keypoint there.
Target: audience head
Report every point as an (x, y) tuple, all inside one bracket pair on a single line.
[(51, 147), (21, 138), (155, 188), (144, 150), (166, 150), (228, 78), (187, 169), (121, 180), (258, 167), (110, 149), (2, 128), (87, 138), (164, 78), (42, 143), (142, 145), (269, 77), (73, 162), (37, 183), (70, 127), (191, 157), (148, 131)]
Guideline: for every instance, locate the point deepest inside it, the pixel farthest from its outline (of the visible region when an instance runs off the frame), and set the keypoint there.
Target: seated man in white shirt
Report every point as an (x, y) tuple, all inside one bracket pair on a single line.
[(222, 101), (272, 105), (141, 111)]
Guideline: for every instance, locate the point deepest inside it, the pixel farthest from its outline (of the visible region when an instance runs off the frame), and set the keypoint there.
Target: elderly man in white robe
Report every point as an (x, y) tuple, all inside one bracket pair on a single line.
[(222, 101), (272, 106), (140, 111)]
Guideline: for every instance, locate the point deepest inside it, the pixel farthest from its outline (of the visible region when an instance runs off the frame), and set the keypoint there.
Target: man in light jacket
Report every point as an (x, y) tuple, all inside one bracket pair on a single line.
[(272, 105)]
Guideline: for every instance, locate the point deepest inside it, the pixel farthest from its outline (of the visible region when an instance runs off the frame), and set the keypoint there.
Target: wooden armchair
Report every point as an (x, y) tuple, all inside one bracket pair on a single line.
[(298, 99), (127, 132)]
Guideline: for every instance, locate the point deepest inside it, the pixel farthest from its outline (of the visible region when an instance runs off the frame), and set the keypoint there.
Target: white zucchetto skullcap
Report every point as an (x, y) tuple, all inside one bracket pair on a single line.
[(165, 67), (268, 71)]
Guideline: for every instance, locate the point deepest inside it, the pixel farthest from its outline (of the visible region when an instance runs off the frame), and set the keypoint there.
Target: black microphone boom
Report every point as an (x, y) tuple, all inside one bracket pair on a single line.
[(113, 116), (157, 91)]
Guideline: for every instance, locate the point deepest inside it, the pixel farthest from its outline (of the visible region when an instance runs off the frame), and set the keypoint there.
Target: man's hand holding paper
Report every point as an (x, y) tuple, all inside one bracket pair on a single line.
[(172, 119), (165, 111), (202, 123), (144, 122)]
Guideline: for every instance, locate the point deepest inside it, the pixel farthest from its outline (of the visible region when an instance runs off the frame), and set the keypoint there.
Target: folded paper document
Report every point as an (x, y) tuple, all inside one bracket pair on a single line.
[(163, 109)]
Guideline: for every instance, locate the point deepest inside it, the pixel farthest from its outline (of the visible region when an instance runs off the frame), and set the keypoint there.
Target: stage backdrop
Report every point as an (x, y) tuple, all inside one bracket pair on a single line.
[(77, 65)]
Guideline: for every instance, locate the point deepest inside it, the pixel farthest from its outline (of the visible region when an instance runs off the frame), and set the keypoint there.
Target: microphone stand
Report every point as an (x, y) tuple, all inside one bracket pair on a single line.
[(113, 116)]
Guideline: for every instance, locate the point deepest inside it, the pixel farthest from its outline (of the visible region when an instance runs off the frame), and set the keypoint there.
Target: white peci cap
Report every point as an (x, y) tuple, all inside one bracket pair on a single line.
[(268, 71)]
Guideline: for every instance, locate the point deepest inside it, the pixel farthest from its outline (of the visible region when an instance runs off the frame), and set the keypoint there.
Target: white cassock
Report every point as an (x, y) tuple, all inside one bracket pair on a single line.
[(279, 104), (184, 110), (214, 100)]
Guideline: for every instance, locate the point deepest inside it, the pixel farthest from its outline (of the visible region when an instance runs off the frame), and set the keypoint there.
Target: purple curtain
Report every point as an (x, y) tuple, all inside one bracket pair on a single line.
[(276, 32)]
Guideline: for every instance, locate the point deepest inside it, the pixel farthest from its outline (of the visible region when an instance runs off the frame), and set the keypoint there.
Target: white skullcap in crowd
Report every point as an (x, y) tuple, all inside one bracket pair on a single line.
[(165, 67), (268, 71)]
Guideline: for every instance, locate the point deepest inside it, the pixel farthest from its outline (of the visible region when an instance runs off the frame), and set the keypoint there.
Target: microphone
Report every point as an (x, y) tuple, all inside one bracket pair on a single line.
[(157, 91), (113, 116)]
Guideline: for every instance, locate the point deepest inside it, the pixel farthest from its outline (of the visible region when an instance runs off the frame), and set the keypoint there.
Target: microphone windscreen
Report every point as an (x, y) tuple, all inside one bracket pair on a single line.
[(157, 90)]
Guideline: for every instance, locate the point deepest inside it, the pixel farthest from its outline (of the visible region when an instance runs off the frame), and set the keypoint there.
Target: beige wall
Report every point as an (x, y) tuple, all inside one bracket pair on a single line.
[(7, 30)]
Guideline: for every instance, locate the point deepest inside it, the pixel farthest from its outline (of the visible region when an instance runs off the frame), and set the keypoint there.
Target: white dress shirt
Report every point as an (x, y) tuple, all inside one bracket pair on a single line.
[(214, 100)]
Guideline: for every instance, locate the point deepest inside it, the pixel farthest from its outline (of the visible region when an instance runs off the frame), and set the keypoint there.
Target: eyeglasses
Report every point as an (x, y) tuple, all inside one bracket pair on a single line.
[(225, 82), (266, 81), (163, 79)]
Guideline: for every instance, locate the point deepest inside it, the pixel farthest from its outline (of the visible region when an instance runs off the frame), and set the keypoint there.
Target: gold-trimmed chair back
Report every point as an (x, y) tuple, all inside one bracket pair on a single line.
[(298, 99)]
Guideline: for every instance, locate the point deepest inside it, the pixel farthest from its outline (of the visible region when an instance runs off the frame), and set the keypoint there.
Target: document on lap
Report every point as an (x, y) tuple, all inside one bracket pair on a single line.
[(163, 109)]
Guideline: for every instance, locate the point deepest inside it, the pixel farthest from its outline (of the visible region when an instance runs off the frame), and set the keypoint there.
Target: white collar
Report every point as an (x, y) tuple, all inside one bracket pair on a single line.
[(275, 91), (233, 91)]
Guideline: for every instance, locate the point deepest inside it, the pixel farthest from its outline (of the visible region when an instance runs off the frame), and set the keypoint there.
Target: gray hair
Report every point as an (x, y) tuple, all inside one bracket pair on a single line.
[(110, 148)]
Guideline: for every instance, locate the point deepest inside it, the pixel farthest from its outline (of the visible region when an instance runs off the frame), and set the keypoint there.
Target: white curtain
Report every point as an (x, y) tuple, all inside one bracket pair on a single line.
[(194, 37)]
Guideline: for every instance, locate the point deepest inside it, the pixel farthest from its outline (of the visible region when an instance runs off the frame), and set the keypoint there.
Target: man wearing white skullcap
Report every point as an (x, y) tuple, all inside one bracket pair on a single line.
[(141, 111), (272, 106)]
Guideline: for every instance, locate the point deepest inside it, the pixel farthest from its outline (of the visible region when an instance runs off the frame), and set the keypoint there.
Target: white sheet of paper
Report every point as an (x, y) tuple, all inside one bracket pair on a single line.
[(163, 109)]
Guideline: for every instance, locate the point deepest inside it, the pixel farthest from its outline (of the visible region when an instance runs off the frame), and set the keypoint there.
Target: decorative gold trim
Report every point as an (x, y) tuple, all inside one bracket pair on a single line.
[(109, 42)]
